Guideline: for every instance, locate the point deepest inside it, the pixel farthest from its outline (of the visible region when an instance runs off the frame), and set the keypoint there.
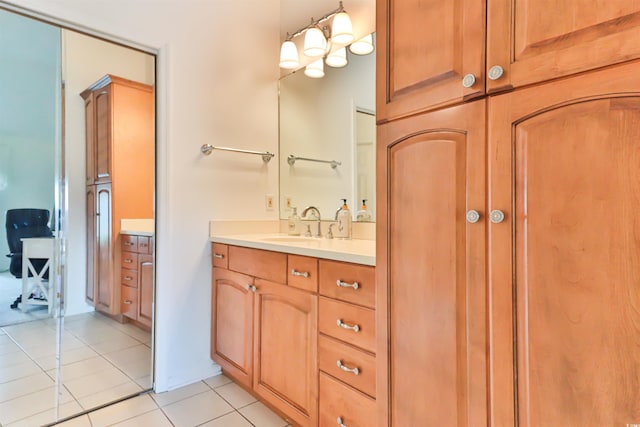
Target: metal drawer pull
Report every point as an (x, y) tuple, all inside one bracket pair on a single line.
[(473, 216), (497, 216), (340, 423), (468, 81), (219, 256), (128, 261), (251, 288), (128, 301), (299, 273), (128, 278), (342, 284), (128, 243), (354, 328), (355, 371)]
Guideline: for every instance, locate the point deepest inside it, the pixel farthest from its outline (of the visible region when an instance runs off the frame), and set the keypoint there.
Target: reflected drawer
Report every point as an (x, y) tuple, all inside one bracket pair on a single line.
[(348, 282), (302, 272), (129, 278), (129, 243), (341, 361), (144, 246), (337, 400), (129, 302), (219, 255), (347, 322), (129, 260)]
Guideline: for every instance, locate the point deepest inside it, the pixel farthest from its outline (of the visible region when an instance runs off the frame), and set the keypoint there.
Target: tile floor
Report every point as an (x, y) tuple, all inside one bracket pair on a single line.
[(214, 402), (101, 361)]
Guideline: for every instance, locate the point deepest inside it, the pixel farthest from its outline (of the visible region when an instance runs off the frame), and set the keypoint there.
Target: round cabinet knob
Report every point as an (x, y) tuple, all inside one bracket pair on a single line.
[(473, 216), (469, 80), (497, 216), (495, 72)]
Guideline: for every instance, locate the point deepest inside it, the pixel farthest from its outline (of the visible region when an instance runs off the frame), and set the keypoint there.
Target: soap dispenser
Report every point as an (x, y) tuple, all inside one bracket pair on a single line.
[(363, 214), (293, 224), (344, 221)]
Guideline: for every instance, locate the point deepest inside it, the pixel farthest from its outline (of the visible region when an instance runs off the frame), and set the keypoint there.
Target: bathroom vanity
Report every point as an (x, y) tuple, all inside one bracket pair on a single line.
[(293, 322)]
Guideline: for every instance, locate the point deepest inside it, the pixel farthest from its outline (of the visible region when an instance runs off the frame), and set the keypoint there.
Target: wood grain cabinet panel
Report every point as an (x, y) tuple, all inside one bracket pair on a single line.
[(232, 324), (302, 272), (352, 283), (219, 255), (285, 350), (348, 364), (348, 322), (533, 45), (431, 295), (566, 157), (145, 289), (129, 302), (258, 263), (339, 401), (424, 51)]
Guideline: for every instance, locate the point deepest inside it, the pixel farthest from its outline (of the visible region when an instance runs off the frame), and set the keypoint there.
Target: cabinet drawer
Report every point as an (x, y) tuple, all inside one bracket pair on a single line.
[(219, 255), (331, 351), (129, 260), (348, 322), (267, 265), (302, 272), (337, 400), (129, 243), (129, 302), (143, 245), (348, 282), (129, 278)]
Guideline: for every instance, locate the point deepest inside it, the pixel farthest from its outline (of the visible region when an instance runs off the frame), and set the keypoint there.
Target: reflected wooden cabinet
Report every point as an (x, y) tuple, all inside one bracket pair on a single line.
[(119, 131), (443, 53), (136, 278)]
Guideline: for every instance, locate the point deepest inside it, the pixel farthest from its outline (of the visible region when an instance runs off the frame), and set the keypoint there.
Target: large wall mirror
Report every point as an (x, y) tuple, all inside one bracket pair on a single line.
[(76, 330), (330, 119)]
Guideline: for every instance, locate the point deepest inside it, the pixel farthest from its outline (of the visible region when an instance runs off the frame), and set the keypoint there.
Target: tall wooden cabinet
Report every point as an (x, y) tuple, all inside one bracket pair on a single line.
[(433, 54), (119, 120), (514, 304)]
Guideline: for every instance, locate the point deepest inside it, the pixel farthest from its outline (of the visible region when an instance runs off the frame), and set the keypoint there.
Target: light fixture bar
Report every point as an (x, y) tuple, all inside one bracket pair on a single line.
[(315, 22)]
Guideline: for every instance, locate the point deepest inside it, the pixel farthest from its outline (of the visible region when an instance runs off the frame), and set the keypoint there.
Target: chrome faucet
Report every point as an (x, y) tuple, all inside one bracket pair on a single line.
[(317, 212)]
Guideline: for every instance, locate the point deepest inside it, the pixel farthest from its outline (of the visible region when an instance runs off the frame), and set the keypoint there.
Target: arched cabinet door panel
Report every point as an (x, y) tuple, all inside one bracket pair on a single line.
[(431, 311), (564, 265)]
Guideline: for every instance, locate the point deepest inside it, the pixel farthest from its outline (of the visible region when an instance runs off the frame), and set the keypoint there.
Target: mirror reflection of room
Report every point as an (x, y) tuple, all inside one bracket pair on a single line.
[(326, 119), (75, 326)]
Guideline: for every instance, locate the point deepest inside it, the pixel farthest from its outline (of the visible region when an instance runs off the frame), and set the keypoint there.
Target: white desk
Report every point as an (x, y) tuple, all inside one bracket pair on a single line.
[(40, 248)]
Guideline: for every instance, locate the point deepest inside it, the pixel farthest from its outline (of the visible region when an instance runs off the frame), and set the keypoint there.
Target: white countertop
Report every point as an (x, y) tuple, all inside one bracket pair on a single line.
[(356, 251), (137, 227)]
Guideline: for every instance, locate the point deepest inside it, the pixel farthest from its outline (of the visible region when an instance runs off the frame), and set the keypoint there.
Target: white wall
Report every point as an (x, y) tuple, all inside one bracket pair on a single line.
[(29, 112), (85, 60), (216, 84)]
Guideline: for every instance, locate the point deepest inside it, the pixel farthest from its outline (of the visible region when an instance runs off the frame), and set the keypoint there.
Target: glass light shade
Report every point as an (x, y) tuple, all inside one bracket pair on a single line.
[(315, 70), (289, 55), (315, 43), (341, 30), (338, 58), (363, 46)]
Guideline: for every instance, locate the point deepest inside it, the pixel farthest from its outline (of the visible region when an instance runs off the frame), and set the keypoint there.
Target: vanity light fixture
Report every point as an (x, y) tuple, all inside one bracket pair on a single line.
[(324, 38), (364, 46)]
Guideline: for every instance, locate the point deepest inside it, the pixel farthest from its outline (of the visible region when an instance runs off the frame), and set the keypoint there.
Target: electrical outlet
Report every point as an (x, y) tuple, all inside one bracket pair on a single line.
[(268, 202), (287, 202)]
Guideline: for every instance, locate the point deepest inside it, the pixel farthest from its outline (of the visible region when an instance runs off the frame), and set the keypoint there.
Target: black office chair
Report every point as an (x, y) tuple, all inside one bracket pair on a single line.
[(22, 223)]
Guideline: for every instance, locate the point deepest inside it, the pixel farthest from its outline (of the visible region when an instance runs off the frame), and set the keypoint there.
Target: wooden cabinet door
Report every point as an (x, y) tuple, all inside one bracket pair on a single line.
[(424, 50), (285, 350), (102, 129), (564, 162), (232, 324), (90, 286), (430, 273), (104, 255), (89, 129), (535, 41), (145, 289)]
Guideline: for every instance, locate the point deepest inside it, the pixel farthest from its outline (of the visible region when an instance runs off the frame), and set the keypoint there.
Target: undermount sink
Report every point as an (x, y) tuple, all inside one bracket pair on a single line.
[(288, 239)]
